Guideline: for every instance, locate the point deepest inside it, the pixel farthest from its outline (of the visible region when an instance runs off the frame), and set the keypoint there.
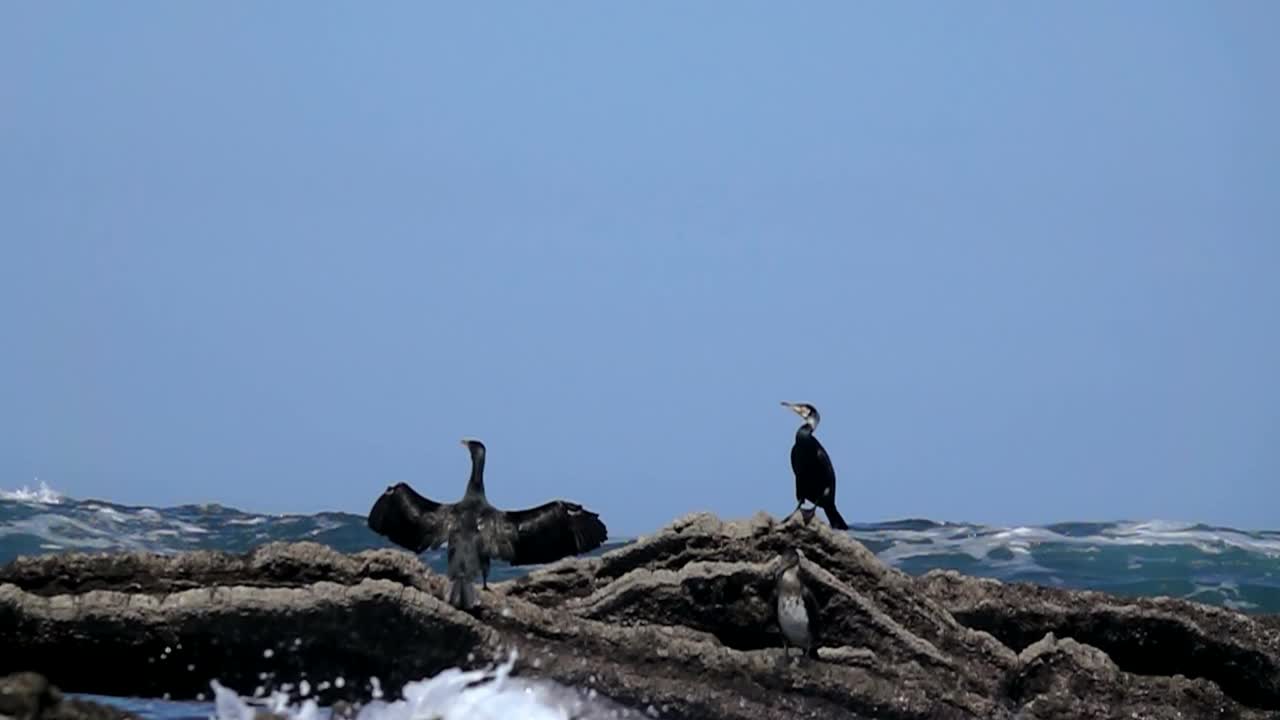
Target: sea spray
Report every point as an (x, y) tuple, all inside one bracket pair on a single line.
[(453, 694), (40, 495)]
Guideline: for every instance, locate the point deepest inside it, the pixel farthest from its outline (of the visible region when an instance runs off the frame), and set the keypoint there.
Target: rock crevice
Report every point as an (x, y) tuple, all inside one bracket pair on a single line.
[(1158, 637)]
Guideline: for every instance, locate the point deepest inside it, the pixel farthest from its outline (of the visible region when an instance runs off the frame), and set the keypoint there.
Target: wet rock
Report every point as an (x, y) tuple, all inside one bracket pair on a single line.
[(679, 622), (1143, 636), (1064, 678), (29, 696), (343, 710)]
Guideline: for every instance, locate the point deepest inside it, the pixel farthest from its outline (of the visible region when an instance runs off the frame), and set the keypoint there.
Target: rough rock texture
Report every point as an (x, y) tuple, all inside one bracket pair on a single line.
[(29, 696), (1148, 636), (1067, 679), (678, 622)]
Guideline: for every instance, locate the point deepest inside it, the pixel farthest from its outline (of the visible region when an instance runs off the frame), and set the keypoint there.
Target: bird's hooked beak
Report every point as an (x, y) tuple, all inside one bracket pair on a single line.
[(796, 408), (467, 442)]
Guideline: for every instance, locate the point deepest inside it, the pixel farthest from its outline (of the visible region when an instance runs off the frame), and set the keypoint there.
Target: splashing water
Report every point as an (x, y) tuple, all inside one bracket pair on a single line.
[(43, 495), (453, 694)]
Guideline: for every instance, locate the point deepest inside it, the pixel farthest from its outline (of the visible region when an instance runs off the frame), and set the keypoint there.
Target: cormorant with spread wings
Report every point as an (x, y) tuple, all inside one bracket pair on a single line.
[(477, 531)]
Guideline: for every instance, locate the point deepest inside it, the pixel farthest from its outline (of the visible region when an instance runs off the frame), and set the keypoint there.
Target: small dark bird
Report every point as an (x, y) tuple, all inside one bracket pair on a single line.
[(797, 610), (477, 531), (815, 477)]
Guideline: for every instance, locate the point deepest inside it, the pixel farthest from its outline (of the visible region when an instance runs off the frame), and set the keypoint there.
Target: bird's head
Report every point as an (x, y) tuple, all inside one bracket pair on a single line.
[(790, 557), (473, 446), (807, 412)]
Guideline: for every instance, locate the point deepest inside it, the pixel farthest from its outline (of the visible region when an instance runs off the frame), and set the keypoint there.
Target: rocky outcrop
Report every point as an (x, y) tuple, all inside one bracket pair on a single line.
[(1151, 637), (1066, 679), (678, 624), (29, 696)]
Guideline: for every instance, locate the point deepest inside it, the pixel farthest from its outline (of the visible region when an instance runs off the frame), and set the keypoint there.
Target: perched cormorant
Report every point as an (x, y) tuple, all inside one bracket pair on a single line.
[(465, 560), (477, 531), (797, 610), (815, 477)]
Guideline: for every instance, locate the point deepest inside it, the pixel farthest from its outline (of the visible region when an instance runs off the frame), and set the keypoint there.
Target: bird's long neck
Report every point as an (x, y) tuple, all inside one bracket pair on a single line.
[(475, 486), (789, 579), (805, 431)]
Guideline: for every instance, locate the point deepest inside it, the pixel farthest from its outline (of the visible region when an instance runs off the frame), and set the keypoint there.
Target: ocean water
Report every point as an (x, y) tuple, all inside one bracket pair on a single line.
[(1235, 568)]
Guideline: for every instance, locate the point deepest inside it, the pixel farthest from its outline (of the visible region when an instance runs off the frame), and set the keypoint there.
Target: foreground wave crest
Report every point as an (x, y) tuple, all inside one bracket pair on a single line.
[(453, 694)]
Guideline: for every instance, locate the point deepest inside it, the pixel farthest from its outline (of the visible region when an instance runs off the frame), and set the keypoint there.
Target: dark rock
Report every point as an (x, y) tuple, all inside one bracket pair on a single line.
[(1067, 679), (1144, 636), (679, 621), (272, 565), (29, 696), (343, 710)]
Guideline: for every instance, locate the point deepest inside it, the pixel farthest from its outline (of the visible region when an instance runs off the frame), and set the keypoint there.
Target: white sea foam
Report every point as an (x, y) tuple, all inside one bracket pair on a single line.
[(70, 532), (257, 520), (975, 541), (1205, 539), (96, 527), (43, 495), (108, 513), (978, 541), (187, 527), (453, 694), (324, 525)]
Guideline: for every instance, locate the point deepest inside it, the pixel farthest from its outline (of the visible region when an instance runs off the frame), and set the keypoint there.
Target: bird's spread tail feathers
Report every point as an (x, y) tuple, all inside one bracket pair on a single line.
[(833, 517), (462, 593)]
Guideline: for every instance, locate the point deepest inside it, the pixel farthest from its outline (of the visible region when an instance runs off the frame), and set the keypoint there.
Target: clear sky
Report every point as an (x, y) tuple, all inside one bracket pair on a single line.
[(1024, 257)]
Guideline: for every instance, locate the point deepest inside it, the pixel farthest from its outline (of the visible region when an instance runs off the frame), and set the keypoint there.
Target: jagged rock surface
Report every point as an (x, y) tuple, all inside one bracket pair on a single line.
[(678, 622), (1144, 636), (29, 696)]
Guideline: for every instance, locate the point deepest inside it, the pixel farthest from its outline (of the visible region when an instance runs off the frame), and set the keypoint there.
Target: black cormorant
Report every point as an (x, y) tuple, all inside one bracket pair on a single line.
[(815, 477), (477, 531), (466, 561), (796, 607)]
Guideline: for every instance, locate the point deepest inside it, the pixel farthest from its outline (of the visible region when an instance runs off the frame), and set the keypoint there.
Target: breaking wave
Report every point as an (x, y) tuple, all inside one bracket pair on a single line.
[(43, 495), (453, 694)]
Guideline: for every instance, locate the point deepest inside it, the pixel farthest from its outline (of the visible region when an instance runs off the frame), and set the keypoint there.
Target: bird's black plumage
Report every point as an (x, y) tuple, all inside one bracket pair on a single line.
[(540, 534), (466, 561), (815, 475)]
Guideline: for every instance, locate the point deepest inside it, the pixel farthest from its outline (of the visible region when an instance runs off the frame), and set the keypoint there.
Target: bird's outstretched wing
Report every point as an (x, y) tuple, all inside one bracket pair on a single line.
[(542, 534), (410, 520)]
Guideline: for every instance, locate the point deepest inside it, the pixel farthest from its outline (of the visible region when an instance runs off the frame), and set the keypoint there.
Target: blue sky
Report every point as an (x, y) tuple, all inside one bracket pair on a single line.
[(1023, 257)]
